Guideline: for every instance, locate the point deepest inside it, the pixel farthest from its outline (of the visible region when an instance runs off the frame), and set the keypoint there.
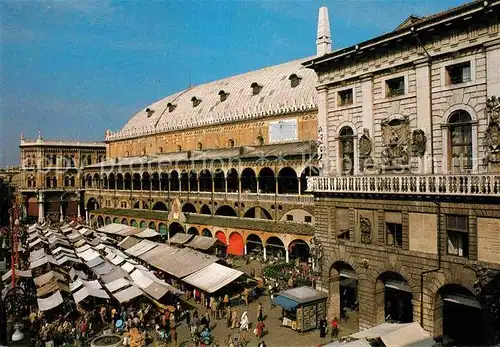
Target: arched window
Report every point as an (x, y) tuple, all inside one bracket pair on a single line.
[(54, 182), (72, 181), (346, 142), (460, 141), (48, 181)]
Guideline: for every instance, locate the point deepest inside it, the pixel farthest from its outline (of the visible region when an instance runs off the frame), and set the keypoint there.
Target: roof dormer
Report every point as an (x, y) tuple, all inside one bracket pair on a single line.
[(256, 88), (294, 80), (196, 101), (171, 107), (223, 95), (149, 112)]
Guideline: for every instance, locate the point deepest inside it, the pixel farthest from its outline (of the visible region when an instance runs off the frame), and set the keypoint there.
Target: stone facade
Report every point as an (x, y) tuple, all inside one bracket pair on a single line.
[(51, 180), (407, 205)]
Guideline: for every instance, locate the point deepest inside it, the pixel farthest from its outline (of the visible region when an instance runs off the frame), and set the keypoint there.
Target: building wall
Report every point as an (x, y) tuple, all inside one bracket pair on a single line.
[(428, 100), (212, 137), (418, 253)]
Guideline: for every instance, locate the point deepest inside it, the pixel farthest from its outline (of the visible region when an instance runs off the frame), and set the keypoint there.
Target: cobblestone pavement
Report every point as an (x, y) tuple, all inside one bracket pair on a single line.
[(276, 335)]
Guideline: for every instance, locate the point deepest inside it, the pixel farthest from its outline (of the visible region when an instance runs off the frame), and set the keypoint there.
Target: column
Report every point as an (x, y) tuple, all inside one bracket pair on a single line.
[(287, 256), (246, 253), (79, 213), (323, 128), (424, 111), (61, 217), (265, 253), (300, 184), (41, 212), (87, 216)]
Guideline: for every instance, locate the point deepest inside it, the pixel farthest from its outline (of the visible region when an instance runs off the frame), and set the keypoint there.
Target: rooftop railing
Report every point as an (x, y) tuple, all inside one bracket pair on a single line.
[(466, 184)]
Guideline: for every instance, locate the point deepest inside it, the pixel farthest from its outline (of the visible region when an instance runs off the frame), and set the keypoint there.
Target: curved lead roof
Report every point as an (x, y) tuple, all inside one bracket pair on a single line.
[(276, 96)]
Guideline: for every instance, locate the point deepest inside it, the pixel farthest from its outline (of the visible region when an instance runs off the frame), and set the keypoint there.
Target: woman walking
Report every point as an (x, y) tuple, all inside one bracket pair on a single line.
[(244, 321)]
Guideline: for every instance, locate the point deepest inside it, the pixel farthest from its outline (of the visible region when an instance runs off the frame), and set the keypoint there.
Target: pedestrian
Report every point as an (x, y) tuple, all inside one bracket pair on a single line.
[(323, 325), (228, 317), (173, 336), (334, 325), (188, 317), (262, 344), (244, 321), (226, 301), (259, 329), (234, 319), (260, 312), (194, 324), (245, 296)]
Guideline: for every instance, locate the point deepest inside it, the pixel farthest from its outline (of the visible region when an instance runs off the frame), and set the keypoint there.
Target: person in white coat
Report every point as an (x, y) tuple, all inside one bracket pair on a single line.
[(244, 322)]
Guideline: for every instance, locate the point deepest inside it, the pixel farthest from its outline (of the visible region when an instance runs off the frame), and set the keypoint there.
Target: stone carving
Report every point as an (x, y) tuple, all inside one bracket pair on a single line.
[(316, 253), (365, 150), (365, 227), (395, 138), (320, 144), (418, 142), (492, 133)]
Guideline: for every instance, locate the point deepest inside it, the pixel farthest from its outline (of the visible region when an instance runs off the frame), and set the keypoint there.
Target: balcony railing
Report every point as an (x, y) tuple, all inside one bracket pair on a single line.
[(233, 196), (471, 185)]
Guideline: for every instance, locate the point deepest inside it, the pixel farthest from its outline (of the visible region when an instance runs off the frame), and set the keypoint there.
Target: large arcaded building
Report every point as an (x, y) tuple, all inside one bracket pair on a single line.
[(227, 159), (407, 205)]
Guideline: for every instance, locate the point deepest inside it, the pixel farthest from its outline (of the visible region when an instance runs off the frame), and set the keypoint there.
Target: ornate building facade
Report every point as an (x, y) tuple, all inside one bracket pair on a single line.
[(227, 159), (407, 204), (51, 181)]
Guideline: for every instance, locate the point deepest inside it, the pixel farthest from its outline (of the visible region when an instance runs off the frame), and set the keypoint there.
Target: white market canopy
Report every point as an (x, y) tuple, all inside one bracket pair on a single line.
[(49, 303), (119, 229), (147, 233), (88, 291), (398, 335), (141, 248), (117, 284), (213, 277), (19, 273)]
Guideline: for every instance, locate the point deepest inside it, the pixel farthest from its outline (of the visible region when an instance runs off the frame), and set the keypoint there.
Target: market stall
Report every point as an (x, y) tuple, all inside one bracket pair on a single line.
[(303, 307)]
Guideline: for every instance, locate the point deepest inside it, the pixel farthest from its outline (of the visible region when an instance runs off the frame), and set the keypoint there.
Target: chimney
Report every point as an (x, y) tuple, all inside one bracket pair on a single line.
[(324, 39)]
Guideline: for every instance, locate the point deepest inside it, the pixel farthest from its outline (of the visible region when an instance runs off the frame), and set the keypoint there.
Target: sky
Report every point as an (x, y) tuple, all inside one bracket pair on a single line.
[(73, 69)]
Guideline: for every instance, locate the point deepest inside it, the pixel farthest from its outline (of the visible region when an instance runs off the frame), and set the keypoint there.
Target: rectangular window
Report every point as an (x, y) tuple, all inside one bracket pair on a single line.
[(289, 217), (394, 236), (395, 87), (344, 234), (457, 233), (345, 97), (308, 219), (458, 73)]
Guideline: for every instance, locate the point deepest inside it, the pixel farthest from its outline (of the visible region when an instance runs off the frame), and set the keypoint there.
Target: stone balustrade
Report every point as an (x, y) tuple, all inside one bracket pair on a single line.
[(465, 184)]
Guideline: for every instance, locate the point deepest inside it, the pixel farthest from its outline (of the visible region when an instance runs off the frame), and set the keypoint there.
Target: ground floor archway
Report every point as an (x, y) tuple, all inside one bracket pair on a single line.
[(235, 246), (221, 236), (457, 316), (393, 299), (343, 291), (108, 220), (162, 229), (193, 231), (206, 232), (275, 248), (254, 244), (299, 249), (175, 228)]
